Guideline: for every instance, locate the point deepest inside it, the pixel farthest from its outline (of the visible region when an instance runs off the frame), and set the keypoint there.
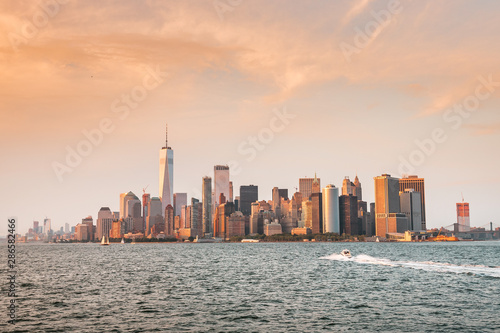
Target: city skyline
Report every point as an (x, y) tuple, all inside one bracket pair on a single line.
[(281, 107)]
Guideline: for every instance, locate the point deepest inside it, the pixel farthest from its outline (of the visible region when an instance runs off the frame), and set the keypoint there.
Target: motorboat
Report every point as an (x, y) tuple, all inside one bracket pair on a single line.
[(346, 253)]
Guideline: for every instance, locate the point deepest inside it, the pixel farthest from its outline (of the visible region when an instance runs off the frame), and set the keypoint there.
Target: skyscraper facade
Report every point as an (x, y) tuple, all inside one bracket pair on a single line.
[(463, 216), (166, 175), (317, 213), (349, 221), (306, 186), (418, 185), (104, 222), (221, 183), (387, 206), (180, 199), (248, 195), (412, 208), (207, 204), (331, 219)]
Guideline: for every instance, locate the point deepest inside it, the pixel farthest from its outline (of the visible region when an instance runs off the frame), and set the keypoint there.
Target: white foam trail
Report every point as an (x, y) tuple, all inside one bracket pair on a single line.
[(429, 266)]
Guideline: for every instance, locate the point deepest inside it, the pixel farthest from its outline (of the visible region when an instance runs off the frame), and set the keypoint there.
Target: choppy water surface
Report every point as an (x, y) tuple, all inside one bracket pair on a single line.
[(261, 287)]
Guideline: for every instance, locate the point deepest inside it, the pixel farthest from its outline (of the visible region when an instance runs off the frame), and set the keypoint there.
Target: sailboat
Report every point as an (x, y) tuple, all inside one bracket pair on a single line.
[(123, 241), (105, 240)]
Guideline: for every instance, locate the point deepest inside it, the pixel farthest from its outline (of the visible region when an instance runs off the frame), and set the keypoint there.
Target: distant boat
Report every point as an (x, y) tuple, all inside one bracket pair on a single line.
[(105, 240), (443, 238), (377, 240), (123, 241), (250, 241)]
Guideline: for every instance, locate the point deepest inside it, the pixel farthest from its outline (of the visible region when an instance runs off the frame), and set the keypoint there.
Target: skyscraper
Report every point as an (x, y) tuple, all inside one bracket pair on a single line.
[(47, 226), (347, 187), (104, 222), (412, 208), (358, 192), (317, 212), (349, 221), (276, 198), (387, 206), (221, 183), (306, 186), (145, 208), (169, 220), (166, 175), (154, 214), (207, 204), (124, 197), (418, 185), (248, 195), (463, 216), (180, 199), (331, 220)]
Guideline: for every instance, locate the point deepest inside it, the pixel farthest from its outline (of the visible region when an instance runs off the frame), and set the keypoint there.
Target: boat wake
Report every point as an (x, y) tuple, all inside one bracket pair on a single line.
[(429, 266)]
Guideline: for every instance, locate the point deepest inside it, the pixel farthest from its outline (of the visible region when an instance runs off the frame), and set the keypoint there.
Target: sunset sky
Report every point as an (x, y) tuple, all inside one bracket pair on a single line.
[(361, 81)]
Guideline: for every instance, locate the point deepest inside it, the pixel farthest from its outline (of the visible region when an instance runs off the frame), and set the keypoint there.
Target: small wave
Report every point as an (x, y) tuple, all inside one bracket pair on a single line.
[(429, 266)]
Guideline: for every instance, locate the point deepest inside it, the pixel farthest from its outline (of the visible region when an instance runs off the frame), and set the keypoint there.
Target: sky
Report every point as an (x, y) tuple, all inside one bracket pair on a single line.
[(278, 90)]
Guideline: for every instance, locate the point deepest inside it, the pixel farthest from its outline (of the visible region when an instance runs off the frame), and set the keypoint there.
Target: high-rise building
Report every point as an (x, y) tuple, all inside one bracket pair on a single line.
[(66, 228), (358, 192), (418, 185), (230, 199), (47, 226), (387, 207), (180, 199), (196, 217), (248, 195), (283, 193), (331, 218), (349, 221), (317, 213), (154, 214), (207, 205), (306, 214), (412, 208), (36, 227), (463, 216), (169, 220), (276, 198), (89, 222), (104, 222), (145, 208), (124, 197), (306, 186), (166, 175), (221, 183), (347, 187), (133, 211), (235, 225), (82, 232)]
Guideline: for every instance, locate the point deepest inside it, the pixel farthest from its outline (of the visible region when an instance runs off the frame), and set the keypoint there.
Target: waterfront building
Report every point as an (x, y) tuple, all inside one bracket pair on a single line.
[(169, 220), (418, 185), (388, 218), (349, 221), (463, 216), (82, 232), (331, 217), (412, 208), (248, 195), (89, 221), (306, 214), (236, 224), (273, 228), (155, 215), (145, 207), (221, 183), (207, 205), (104, 222), (317, 212), (166, 175), (124, 198), (47, 228)]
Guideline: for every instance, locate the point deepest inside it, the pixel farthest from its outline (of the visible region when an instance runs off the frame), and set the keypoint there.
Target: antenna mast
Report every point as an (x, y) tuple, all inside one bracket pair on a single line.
[(166, 135)]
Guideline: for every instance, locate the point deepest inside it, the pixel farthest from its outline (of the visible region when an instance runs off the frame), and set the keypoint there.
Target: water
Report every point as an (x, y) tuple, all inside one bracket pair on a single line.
[(278, 287)]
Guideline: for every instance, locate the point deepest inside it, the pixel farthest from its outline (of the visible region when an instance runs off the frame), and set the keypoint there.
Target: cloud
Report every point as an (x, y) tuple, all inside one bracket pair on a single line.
[(483, 129)]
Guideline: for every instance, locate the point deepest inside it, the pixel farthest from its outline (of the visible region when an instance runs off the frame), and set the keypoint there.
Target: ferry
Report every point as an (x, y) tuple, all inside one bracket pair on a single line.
[(443, 238)]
